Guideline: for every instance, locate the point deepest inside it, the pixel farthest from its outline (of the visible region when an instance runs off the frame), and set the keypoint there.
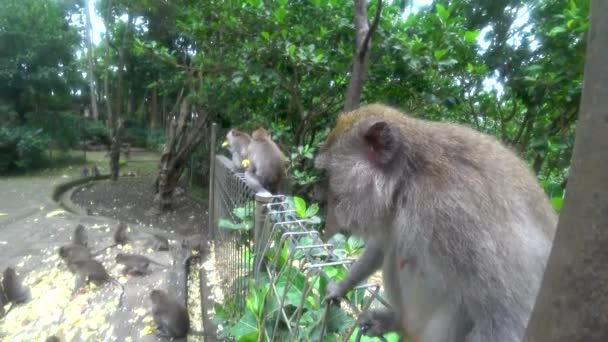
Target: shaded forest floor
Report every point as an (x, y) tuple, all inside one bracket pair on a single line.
[(130, 199)]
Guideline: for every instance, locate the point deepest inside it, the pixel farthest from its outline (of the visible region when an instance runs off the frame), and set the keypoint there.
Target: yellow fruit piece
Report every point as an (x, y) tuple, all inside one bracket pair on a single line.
[(245, 163), (55, 213), (225, 143)]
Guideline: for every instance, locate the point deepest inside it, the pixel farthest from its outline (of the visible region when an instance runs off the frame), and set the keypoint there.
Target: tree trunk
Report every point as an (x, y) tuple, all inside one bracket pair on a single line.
[(92, 87), (573, 301), (181, 142), (112, 115), (361, 56)]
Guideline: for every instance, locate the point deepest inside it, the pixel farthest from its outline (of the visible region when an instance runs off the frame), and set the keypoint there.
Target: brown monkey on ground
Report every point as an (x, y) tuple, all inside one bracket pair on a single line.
[(160, 243), (237, 143), (95, 171), (120, 236), (266, 167), (14, 290), (72, 253), (52, 339), (93, 271), (3, 301), (80, 236), (170, 316), (457, 221), (84, 172), (135, 264)]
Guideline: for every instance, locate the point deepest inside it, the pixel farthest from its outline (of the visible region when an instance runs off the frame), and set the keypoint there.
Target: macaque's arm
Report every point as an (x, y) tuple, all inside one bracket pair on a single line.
[(370, 261)]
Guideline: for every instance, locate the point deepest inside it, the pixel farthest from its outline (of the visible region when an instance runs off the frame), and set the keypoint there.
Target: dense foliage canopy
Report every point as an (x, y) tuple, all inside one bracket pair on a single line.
[(509, 68)]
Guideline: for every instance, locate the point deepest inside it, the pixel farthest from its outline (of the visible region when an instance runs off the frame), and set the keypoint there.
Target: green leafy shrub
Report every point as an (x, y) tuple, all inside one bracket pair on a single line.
[(22, 148), (96, 132), (136, 136), (155, 140)]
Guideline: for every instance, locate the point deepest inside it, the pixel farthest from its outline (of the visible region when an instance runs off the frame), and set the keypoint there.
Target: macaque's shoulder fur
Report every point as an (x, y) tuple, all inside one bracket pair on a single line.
[(240, 134)]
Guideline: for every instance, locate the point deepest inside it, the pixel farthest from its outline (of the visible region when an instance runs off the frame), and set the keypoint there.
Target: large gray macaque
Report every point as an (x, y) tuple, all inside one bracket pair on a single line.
[(457, 222), (267, 162)]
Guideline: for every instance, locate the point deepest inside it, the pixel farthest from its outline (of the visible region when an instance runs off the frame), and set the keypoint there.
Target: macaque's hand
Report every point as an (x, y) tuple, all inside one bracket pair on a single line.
[(377, 322), (245, 163), (335, 291)]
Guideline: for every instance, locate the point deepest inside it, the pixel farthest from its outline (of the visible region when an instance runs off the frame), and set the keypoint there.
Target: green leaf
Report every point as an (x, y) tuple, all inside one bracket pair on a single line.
[(300, 206), (227, 224), (471, 36), (242, 212), (312, 210), (265, 35), (557, 203), (279, 14), (291, 49), (442, 12), (440, 53), (245, 327), (557, 30), (255, 3)]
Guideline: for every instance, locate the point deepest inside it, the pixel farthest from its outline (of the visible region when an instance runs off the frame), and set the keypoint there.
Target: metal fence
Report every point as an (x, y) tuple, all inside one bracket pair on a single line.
[(284, 249)]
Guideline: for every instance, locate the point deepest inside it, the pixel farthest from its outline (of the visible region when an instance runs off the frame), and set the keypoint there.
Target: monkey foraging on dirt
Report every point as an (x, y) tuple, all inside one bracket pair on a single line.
[(237, 143), (160, 243), (84, 172), (3, 301), (72, 253), (14, 291), (93, 271), (135, 264), (266, 167), (95, 171), (170, 316), (120, 236), (457, 221), (80, 236)]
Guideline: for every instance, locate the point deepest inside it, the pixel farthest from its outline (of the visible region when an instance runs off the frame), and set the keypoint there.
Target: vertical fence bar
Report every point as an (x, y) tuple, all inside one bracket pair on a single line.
[(211, 204), (261, 199)]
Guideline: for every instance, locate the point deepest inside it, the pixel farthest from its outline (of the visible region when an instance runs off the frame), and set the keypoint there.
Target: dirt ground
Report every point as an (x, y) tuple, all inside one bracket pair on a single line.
[(130, 199)]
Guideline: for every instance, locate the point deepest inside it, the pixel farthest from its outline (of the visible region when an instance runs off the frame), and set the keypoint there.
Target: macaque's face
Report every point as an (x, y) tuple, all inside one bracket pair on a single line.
[(359, 189)]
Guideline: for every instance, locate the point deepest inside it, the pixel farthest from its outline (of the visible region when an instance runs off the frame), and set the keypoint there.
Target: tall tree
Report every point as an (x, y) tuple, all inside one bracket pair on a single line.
[(573, 300), (114, 122), (91, 62), (363, 34)]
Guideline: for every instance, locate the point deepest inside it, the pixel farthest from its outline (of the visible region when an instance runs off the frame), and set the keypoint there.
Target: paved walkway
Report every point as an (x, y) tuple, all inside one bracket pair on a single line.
[(32, 227)]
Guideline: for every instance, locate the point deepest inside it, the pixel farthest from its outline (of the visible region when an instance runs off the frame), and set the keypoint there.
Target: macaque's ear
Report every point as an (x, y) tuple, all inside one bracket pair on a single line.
[(381, 143)]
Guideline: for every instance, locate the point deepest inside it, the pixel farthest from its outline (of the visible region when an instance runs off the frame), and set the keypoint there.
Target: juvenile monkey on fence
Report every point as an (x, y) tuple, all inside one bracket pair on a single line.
[(237, 143), (457, 222), (266, 162)]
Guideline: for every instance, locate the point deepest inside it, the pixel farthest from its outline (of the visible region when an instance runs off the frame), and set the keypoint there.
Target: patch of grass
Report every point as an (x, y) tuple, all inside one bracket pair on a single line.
[(68, 163)]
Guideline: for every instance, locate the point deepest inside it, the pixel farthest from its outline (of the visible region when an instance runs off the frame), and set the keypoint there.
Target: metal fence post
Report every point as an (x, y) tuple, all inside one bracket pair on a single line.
[(259, 238), (211, 204)]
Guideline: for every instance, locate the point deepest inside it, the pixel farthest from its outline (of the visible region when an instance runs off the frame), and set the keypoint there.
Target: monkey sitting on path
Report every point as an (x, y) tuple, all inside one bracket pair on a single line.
[(93, 271), (170, 316), (14, 291), (72, 253), (457, 222), (266, 167), (237, 143), (80, 236), (136, 264)]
